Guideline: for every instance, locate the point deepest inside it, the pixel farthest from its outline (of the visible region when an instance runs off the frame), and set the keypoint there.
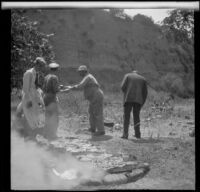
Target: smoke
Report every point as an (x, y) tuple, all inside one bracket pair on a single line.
[(32, 167)]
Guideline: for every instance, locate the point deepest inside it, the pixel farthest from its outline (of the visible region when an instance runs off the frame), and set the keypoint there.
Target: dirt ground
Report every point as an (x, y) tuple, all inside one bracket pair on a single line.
[(165, 144)]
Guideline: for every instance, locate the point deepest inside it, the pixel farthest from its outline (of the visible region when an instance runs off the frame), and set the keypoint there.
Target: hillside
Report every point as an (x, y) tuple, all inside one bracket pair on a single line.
[(109, 45)]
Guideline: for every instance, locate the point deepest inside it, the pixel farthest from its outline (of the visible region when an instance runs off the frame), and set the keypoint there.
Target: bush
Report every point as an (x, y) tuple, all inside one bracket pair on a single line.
[(175, 84), (27, 43)]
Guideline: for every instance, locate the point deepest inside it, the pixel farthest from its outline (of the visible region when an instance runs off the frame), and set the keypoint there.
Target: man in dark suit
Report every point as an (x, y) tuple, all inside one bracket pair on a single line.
[(134, 87)]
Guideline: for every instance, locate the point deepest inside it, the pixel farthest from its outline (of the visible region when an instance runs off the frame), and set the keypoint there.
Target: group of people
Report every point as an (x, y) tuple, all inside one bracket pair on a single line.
[(36, 97)]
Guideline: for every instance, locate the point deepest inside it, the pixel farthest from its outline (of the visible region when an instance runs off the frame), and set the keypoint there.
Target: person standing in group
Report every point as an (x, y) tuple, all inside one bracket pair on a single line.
[(134, 87), (51, 88), (32, 102), (95, 96)]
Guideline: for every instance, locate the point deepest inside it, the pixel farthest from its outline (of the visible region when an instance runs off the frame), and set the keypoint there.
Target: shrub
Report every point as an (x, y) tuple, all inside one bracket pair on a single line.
[(27, 43)]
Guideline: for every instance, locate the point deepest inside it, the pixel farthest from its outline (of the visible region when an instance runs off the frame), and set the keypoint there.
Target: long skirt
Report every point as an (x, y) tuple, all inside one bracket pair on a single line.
[(27, 121), (34, 114), (51, 120)]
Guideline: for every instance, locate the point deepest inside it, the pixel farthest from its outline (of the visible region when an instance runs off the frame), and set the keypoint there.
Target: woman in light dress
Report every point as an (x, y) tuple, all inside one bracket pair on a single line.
[(32, 105)]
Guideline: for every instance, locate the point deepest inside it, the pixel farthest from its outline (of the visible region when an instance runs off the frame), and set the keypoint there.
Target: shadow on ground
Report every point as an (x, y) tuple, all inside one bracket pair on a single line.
[(100, 138), (147, 140)]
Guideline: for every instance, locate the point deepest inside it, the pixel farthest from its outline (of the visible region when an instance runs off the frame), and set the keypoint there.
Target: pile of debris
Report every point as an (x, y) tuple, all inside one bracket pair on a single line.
[(119, 168)]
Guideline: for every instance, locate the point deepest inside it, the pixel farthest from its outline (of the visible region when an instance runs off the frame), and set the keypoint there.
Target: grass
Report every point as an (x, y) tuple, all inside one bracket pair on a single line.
[(156, 147), (154, 114)]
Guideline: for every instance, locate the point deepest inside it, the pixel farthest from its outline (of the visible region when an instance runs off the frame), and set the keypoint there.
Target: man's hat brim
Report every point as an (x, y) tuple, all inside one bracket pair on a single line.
[(53, 65)]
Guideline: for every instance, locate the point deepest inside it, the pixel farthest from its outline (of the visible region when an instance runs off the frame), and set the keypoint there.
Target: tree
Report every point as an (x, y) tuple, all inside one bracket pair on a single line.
[(117, 12), (143, 19), (179, 26), (27, 43)]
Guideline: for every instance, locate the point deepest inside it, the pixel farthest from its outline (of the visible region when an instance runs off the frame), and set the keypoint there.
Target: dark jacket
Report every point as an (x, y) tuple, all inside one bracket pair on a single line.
[(134, 87), (50, 88)]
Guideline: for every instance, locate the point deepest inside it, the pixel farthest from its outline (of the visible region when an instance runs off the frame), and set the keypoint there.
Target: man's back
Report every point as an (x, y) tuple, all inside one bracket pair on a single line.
[(134, 88), (51, 84)]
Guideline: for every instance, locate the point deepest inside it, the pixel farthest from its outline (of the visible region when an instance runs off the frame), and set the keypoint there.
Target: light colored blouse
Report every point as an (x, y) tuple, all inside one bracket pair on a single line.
[(89, 85)]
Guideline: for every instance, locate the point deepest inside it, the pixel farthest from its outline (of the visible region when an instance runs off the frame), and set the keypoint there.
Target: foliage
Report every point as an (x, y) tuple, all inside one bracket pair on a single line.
[(179, 26), (143, 19), (27, 43), (117, 12)]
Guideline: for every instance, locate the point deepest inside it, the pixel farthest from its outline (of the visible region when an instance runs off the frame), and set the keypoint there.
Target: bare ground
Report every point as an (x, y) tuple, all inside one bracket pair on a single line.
[(165, 144)]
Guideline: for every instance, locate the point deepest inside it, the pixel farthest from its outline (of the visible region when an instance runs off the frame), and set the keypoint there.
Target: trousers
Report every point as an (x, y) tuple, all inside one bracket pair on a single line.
[(135, 107), (51, 118), (96, 112)]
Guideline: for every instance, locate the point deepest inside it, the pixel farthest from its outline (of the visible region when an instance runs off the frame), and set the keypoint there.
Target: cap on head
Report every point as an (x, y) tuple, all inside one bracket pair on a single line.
[(40, 60), (53, 65), (82, 68)]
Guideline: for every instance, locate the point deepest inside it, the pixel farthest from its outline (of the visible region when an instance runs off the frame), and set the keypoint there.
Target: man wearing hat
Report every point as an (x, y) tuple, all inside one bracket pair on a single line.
[(51, 88), (31, 97), (134, 87), (95, 96)]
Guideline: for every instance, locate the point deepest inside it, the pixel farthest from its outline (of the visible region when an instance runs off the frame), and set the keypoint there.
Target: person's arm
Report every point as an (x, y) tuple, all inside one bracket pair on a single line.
[(124, 83), (27, 79), (27, 84), (144, 92), (81, 84), (56, 85)]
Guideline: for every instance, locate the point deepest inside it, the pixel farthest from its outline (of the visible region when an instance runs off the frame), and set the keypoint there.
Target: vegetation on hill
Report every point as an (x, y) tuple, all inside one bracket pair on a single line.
[(27, 43), (111, 42)]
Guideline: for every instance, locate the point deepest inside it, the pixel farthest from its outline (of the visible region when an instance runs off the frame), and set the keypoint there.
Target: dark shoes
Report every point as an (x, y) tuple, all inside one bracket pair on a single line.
[(99, 133), (138, 137), (124, 137), (91, 130)]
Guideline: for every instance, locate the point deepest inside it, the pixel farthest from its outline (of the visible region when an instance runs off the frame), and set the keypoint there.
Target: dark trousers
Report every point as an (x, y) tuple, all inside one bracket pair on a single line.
[(128, 107)]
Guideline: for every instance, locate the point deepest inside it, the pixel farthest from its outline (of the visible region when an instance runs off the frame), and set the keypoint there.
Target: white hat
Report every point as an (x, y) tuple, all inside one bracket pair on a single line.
[(53, 65), (82, 68)]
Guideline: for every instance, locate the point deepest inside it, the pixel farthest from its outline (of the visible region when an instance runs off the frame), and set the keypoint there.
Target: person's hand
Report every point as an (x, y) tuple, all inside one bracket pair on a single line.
[(65, 90), (68, 87), (73, 87), (29, 104)]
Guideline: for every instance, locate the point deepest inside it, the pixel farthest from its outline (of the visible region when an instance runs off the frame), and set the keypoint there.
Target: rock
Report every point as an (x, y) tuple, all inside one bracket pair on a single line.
[(115, 179), (192, 134), (132, 157), (91, 182), (191, 127), (172, 133), (170, 124), (108, 124), (190, 122), (158, 116), (124, 168), (135, 174), (187, 117), (117, 126)]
